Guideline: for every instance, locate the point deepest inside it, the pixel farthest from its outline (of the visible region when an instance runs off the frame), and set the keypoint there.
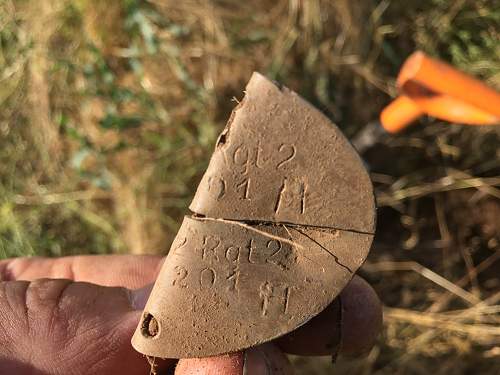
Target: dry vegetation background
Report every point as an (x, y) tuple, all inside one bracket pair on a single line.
[(109, 111)]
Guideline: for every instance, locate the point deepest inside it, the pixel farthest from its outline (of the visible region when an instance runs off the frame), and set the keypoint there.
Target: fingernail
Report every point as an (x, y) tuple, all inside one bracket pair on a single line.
[(245, 365), (139, 297), (338, 341)]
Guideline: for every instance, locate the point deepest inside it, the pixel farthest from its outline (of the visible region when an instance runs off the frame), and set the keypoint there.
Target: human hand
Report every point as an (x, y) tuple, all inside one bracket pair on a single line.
[(76, 315)]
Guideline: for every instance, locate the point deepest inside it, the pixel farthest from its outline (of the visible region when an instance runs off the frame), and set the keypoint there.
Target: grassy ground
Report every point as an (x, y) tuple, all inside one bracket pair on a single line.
[(109, 111)]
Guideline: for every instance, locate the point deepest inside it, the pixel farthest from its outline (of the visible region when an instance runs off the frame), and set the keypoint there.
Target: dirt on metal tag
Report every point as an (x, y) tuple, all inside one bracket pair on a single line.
[(282, 218)]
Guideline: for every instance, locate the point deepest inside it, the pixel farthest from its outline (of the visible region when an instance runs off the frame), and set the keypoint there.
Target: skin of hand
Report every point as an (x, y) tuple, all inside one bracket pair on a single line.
[(76, 315)]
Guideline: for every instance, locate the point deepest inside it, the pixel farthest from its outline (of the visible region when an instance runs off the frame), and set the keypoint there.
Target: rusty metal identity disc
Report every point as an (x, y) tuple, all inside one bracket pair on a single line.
[(283, 217)]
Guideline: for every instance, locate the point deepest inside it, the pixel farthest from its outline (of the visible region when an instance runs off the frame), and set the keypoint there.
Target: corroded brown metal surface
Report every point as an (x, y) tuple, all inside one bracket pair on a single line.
[(284, 216), (281, 160)]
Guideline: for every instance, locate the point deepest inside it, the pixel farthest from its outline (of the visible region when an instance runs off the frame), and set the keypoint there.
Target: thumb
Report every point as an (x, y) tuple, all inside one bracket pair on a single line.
[(64, 327)]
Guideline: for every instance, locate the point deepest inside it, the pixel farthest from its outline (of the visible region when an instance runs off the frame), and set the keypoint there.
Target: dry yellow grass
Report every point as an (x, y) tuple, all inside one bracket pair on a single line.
[(109, 111)]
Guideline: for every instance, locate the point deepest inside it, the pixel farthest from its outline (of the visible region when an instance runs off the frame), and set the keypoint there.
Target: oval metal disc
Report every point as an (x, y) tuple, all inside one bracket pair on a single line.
[(284, 216)]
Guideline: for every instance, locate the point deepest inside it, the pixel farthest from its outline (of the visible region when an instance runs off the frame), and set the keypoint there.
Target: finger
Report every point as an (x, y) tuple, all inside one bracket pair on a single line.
[(263, 360), (361, 317), (350, 325), (229, 364), (129, 271), (266, 359), (65, 327)]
